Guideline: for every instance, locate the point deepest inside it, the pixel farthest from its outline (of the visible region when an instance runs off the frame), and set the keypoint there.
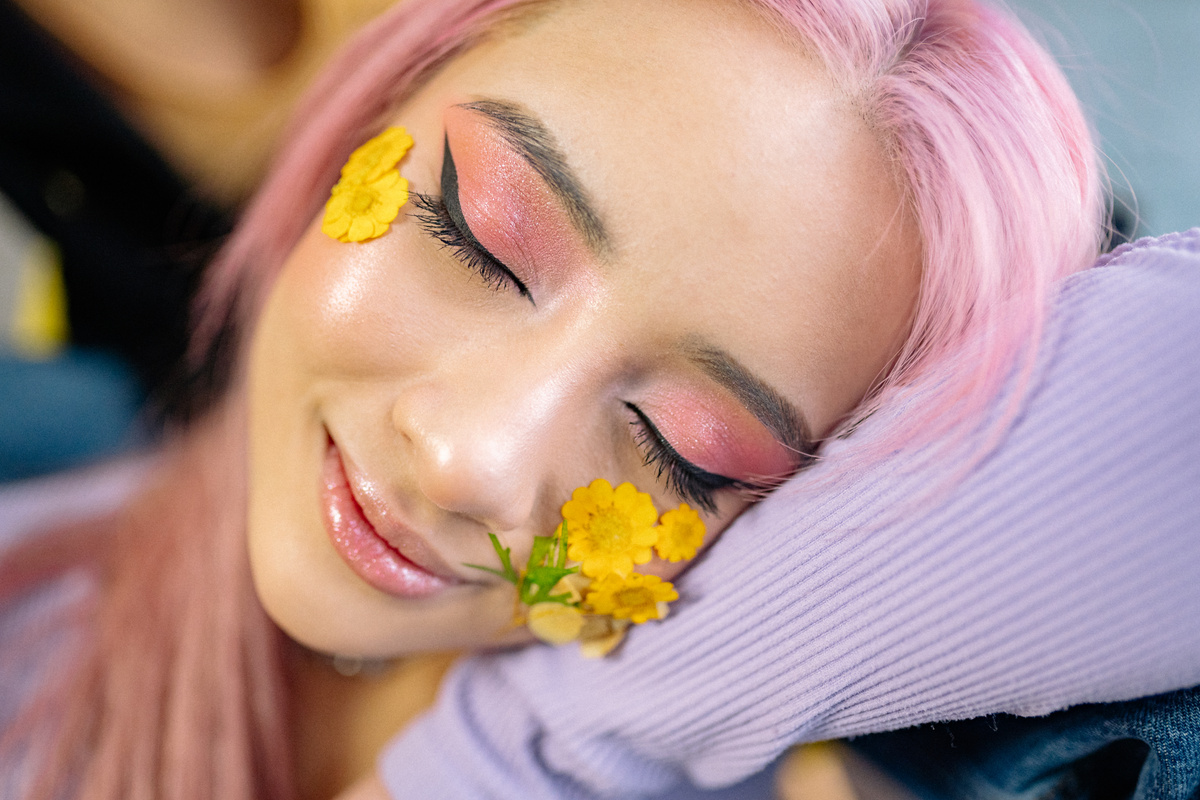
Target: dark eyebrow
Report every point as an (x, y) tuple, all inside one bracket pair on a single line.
[(782, 418), (527, 135)]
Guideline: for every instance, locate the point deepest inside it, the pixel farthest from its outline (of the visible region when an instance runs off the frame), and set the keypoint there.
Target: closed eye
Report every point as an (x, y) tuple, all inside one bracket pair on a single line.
[(682, 477), (442, 218), (435, 219)]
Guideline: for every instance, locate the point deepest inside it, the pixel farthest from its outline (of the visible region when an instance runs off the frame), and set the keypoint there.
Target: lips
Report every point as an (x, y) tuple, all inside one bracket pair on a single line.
[(402, 564)]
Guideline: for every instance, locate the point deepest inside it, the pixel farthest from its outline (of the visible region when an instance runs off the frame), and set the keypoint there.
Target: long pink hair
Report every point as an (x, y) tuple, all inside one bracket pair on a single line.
[(174, 686)]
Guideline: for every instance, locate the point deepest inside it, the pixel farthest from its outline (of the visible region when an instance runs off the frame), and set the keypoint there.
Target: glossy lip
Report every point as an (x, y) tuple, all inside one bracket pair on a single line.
[(378, 547)]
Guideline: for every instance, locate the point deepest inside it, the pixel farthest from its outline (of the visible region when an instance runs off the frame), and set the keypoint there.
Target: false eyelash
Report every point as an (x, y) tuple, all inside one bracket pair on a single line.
[(685, 479), (437, 222)]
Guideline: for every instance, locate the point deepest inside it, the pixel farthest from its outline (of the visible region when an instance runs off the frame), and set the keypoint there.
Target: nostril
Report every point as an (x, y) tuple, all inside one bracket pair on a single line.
[(463, 485), (400, 420), (471, 453)]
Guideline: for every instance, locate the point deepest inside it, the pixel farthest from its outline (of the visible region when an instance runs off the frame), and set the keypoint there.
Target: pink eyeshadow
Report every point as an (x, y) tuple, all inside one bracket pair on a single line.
[(519, 220), (508, 207), (717, 435)]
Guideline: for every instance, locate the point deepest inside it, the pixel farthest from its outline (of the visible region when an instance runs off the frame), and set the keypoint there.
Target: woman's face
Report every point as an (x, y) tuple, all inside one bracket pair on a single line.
[(691, 259)]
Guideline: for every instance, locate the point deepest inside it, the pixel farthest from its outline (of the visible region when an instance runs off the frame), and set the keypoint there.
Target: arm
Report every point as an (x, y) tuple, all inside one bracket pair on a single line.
[(1060, 570)]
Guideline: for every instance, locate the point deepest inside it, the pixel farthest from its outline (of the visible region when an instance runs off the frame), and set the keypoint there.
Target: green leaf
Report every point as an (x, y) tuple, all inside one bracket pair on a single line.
[(505, 557), (561, 561), (540, 552), (492, 570), (542, 575), (509, 574), (547, 565), (537, 557), (544, 579)]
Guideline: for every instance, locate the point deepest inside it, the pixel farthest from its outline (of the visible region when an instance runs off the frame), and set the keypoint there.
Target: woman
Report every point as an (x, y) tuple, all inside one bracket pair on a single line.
[(598, 275)]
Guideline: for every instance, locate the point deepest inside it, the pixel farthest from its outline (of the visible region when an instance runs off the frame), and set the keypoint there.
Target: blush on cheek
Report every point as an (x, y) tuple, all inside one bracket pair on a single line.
[(506, 203), (719, 436)]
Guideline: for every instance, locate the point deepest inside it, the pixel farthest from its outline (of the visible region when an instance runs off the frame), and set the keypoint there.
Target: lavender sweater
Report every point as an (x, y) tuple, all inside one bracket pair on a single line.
[(1064, 568)]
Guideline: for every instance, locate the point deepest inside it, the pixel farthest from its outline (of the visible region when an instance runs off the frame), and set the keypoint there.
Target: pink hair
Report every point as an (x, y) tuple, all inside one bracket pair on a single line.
[(178, 690), (1002, 176)]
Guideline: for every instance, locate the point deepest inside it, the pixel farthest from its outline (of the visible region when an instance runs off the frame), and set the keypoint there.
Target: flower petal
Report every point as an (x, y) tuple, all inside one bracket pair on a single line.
[(361, 229), (601, 493), (554, 622)]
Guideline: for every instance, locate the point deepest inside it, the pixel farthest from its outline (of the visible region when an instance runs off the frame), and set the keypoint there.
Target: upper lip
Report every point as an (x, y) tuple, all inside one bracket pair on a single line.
[(391, 527)]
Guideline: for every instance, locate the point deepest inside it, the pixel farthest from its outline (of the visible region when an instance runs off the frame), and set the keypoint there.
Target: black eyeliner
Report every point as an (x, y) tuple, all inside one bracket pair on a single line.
[(480, 258), (683, 477), (450, 196)]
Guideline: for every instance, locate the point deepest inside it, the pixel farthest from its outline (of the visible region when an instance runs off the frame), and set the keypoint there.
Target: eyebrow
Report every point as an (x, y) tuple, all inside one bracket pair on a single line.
[(776, 412), (527, 135)]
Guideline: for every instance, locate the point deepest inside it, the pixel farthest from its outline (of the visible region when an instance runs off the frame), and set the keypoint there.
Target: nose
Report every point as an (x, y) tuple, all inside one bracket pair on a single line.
[(481, 436)]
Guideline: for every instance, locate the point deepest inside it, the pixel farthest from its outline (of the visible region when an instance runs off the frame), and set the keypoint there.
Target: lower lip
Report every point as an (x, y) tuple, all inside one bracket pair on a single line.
[(355, 539)]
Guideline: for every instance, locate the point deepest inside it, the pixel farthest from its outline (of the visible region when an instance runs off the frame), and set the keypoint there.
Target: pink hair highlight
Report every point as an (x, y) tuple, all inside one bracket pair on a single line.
[(177, 690), (172, 685), (1002, 177)]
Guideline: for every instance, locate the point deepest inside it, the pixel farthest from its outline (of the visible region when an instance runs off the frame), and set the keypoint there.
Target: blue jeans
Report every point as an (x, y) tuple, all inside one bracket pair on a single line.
[(1147, 749)]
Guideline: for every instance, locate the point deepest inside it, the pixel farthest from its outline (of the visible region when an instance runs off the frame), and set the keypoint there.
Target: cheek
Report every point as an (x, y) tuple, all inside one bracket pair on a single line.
[(349, 309)]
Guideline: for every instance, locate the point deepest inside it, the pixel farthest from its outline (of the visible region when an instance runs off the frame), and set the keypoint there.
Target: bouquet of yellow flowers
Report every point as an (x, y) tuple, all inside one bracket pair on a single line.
[(580, 584)]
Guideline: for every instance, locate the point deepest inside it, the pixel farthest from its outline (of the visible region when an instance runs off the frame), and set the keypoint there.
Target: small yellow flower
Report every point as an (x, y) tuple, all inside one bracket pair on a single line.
[(378, 155), (635, 597), (554, 623), (680, 534), (357, 212), (600, 635), (573, 585), (610, 529)]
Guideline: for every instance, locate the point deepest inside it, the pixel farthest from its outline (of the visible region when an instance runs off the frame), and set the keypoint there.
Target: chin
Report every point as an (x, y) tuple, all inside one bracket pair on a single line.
[(322, 605)]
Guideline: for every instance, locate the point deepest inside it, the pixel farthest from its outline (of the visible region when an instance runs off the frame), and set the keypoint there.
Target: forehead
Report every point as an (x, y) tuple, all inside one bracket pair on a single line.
[(736, 182)]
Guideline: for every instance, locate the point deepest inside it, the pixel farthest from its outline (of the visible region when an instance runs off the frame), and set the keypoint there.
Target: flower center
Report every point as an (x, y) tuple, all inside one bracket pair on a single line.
[(370, 159), (637, 596), (609, 530), (362, 200)]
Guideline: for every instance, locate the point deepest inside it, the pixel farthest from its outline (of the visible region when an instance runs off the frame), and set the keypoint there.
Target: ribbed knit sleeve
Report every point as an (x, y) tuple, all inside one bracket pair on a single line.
[(1060, 569)]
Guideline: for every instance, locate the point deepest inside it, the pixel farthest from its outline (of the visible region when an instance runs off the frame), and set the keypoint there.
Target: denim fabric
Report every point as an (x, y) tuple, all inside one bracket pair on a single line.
[(1147, 749)]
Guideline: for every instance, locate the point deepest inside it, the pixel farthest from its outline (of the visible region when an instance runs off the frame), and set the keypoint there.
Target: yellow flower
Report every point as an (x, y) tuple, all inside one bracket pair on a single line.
[(378, 155), (609, 530), (573, 585), (554, 622), (357, 212), (635, 597), (680, 535), (600, 635)]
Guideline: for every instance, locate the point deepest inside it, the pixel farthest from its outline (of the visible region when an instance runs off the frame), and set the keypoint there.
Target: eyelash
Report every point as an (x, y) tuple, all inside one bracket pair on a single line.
[(682, 477), (437, 222)]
